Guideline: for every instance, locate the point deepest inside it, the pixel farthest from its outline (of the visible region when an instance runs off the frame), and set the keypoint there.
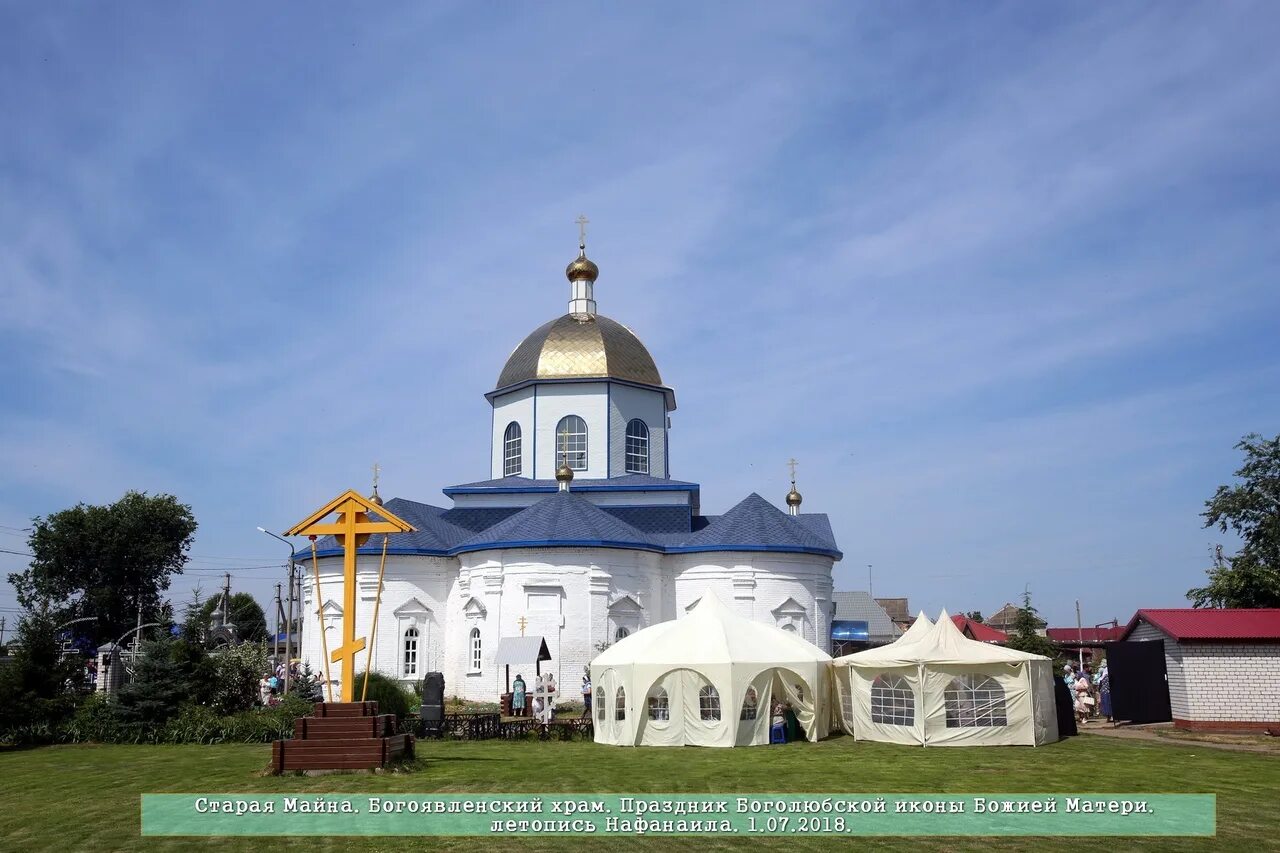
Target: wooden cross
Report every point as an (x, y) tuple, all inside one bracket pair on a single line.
[(352, 529), (522, 622), (582, 229)]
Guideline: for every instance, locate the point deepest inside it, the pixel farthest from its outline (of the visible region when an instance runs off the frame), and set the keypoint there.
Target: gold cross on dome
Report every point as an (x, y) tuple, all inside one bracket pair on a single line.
[(377, 470), (522, 622), (792, 463), (582, 229)]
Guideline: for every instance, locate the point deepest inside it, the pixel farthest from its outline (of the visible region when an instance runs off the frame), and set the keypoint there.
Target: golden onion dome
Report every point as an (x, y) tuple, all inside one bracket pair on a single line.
[(580, 348), (582, 268), (564, 474), (793, 497)]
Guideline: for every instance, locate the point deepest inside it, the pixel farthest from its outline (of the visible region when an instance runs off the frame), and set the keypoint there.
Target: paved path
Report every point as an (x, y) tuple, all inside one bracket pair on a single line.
[(1145, 732)]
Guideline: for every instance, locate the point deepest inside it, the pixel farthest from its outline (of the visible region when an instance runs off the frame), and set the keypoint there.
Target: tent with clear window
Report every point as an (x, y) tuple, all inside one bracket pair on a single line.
[(708, 679), (936, 687)]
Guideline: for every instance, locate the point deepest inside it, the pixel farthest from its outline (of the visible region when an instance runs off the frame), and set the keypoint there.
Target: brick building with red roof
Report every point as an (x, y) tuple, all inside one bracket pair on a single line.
[(1223, 666), (978, 631)]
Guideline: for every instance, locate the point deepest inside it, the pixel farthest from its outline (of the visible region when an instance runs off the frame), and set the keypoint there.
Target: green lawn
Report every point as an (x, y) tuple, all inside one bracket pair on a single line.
[(72, 798)]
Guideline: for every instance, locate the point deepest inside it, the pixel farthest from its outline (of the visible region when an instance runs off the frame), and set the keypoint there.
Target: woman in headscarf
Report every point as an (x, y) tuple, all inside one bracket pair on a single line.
[(1104, 691), (1084, 702)]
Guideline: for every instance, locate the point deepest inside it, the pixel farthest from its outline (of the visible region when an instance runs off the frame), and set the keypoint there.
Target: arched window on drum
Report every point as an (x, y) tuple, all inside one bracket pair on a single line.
[(893, 702), (975, 701), (511, 450), (571, 443), (637, 447)]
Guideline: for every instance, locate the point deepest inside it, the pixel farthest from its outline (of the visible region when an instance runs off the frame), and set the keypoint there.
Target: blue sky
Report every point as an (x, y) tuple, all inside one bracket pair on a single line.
[(1003, 277)]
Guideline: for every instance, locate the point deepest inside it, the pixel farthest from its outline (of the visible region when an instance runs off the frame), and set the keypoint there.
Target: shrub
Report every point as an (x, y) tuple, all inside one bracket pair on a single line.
[(237, 670), (387, 692)]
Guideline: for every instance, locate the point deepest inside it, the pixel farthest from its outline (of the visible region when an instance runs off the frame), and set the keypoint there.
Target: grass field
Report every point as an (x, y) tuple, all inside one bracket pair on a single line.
[(72, 798)]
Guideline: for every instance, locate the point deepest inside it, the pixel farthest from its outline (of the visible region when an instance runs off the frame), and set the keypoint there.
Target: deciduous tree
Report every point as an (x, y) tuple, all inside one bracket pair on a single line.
[(106, 561), (1250, 509)]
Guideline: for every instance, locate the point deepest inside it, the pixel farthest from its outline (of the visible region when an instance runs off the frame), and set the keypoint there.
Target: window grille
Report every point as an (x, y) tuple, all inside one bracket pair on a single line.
[(893, 702), (975, 701), (637, 447), (511, 450), (709, 703), (571, 443)]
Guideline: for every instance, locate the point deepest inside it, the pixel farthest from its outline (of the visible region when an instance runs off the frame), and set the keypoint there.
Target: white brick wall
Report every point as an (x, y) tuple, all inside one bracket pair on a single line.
[(1231, 681), (580, 597)]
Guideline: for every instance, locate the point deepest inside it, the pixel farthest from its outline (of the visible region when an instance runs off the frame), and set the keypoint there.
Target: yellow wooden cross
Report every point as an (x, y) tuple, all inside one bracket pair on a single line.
[(522, 622), (352, 528)]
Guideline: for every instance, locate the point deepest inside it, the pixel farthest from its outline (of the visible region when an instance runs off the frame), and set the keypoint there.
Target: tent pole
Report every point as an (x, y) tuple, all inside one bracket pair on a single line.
[(920, 693)]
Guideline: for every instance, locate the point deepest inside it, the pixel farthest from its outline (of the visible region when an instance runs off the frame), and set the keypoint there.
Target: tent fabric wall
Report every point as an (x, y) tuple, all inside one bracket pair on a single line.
[(1013, 703), (711, 647)]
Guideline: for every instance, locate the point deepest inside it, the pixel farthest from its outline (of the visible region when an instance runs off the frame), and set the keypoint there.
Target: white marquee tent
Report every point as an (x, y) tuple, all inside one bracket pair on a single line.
[(936, 687), (707, 680)]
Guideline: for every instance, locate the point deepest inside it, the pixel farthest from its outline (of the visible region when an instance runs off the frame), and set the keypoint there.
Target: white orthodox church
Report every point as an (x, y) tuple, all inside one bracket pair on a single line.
[(579, 536)]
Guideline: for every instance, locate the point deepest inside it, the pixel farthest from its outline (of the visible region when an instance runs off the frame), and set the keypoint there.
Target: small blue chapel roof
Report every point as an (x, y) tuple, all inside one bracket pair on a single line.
[(757, 525)]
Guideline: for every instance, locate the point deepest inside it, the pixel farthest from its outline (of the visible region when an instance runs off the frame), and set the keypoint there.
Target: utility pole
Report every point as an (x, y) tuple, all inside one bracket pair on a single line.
[(275, 636), (870, 590), (294, 593), (226, 595), (1, 630), (1080, 635), (137, 635)]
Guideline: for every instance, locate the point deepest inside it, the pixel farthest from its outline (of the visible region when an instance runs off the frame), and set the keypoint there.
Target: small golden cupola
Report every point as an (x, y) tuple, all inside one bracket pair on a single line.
[(793, 497), (582, 274), (564, 476)]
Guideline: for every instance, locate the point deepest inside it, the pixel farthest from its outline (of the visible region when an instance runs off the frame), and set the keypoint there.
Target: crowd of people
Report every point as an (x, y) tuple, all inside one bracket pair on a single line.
[(1090, 691), (271, 685)]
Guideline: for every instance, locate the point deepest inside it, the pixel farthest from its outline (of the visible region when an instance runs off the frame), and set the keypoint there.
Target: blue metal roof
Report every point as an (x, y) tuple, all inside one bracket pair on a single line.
[(626, 483), (757, 525), (565, 519)]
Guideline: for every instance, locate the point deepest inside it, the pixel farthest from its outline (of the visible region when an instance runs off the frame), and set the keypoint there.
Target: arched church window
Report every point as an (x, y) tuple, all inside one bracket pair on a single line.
[(571, 443), (511, 450), (709, 703), (637, 447), (893, 702), (600, 709), (475, 649), (750, 703), (659, 705), (620, 705), (411, 651), (974, 701), (620, 635)]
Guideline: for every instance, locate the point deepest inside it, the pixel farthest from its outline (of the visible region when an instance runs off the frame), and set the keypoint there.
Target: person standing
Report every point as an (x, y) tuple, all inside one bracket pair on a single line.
[(1104, 691), (517, 696), (1083, 700), (586, 695)]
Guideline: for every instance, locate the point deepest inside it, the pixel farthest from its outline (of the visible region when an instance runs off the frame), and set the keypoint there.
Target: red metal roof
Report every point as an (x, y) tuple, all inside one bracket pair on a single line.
[(978, 631), (1188, 623), (1085, 635)]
